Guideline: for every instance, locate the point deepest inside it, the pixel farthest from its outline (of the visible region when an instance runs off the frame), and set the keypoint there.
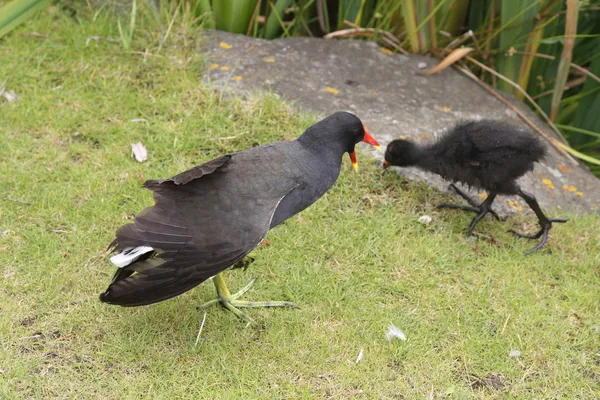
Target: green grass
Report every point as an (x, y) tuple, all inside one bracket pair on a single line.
[(355, 261)]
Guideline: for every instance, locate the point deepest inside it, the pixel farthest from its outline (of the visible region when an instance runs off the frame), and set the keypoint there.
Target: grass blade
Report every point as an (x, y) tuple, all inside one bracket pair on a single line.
[(18, 11), (275, 21), (233, 15), (516, 17), (410, 22), (533, 44), (574, 129), (323, 16), (581, 156), (456, 13), (565, 58), (204, 10)]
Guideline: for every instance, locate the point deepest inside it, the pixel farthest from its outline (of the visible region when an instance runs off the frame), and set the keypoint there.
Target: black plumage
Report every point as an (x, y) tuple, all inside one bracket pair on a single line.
[(488, 155), (208, 218)]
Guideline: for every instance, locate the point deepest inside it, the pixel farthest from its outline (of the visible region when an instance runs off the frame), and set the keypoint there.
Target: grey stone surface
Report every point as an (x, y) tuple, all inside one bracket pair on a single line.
[(392, 99)]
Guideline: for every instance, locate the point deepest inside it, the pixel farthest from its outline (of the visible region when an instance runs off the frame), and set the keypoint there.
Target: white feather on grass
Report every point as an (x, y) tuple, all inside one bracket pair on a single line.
[(360, 355), (514, 353), (425, 219), (394, 332), (139, 152)]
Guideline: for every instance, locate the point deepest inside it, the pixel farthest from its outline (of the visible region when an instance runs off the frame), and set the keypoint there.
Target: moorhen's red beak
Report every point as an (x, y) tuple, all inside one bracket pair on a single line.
[(354, 162), (369, 140)]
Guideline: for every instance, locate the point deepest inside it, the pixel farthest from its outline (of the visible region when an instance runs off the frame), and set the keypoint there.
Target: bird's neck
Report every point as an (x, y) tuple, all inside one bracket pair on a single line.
[(429, 158), (324, 145)]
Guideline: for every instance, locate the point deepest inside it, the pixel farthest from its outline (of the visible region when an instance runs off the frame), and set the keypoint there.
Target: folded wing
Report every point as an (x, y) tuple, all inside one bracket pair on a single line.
[(203, 221)]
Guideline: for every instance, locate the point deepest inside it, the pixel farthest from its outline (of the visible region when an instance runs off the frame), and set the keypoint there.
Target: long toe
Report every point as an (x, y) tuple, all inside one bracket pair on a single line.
[(231, 303), (541, 243), (559, 220), (239, 313), (268, 304), (243, 290), (476, 220), (543, 233), (458, 207), (524, 236), (463, 195)]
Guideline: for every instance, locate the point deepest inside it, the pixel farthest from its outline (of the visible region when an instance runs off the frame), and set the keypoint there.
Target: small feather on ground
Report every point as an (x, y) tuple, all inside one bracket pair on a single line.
[(514, 353), (360, 355), (139, 152), (394, 332), (425, 219)]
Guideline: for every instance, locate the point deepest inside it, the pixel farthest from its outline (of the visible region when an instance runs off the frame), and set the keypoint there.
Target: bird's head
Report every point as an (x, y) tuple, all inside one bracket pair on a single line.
[(353, 131), (400, 153)]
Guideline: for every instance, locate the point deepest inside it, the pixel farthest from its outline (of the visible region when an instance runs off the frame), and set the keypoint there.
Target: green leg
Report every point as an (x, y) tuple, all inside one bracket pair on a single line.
[(231, 302)]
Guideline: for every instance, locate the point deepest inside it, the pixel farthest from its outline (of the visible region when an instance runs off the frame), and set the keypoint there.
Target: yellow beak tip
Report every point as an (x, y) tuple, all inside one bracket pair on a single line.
[(378, 148), (355, 167)]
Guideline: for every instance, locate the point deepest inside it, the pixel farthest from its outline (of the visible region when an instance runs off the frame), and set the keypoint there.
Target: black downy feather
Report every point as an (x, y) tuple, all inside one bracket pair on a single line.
[(488, 155)]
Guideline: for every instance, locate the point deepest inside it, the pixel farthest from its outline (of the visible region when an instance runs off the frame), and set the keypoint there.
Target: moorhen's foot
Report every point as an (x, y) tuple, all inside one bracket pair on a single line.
[(481, 211), (543, 233), (231, 302), (472, 203)]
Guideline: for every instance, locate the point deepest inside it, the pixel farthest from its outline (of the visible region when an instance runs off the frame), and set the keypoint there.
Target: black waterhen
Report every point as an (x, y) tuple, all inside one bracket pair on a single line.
[(485, 154), (210, 217)]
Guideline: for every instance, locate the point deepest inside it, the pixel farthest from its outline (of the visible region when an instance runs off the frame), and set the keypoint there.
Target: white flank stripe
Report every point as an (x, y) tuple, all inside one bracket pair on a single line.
[(129, 255)]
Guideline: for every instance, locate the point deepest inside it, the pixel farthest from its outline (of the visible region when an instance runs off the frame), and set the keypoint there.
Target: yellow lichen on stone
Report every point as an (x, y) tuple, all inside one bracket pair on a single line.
[(213, 66), (270, 60), (442, 108), (515, 205), (571, 188), (225, 46), (580, 194), (386, 51), (237, 78), (224, 68), (331, 90), (483, 195)]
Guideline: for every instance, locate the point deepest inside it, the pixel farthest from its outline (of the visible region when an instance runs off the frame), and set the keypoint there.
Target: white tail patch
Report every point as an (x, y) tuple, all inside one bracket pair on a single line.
[(129, 255)]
